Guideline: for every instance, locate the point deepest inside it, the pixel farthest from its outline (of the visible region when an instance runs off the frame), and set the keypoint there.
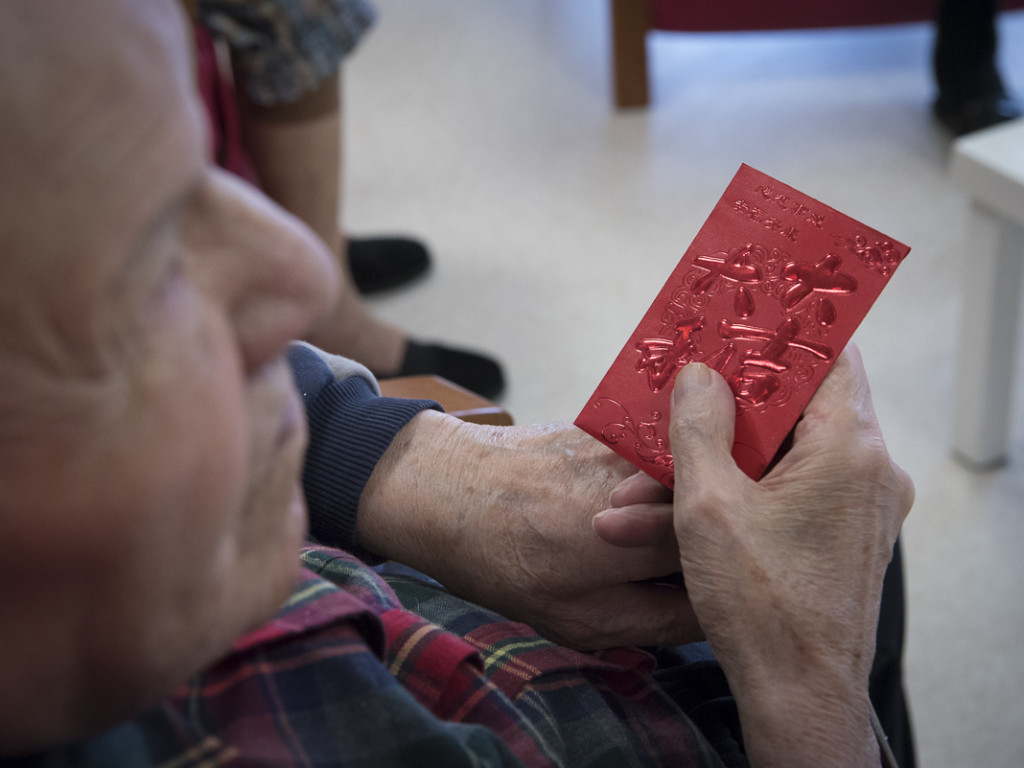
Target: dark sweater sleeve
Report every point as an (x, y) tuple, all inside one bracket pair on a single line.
[(350, 428)]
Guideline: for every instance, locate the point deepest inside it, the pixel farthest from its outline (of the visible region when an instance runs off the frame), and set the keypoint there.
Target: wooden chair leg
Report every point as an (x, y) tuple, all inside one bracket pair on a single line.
[(631, 19)]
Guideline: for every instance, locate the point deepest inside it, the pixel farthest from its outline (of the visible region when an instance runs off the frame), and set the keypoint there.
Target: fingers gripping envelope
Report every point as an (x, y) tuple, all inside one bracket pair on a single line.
[(768, 294)]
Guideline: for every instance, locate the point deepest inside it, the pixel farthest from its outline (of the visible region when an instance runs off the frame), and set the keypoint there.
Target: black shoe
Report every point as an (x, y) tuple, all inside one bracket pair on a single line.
[(382, 263), (977, 112), (471, 370)]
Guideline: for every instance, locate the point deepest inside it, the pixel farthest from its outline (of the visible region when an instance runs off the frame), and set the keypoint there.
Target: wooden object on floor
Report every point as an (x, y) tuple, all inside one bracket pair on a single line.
[(630, 21), (455, 400)]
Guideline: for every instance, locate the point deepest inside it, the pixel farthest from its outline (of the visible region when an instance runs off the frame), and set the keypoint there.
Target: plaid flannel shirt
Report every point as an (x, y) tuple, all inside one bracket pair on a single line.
[(346, 675)]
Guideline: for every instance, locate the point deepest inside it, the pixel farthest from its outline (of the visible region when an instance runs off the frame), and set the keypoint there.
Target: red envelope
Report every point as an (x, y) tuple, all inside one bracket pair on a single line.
[(768, 294)]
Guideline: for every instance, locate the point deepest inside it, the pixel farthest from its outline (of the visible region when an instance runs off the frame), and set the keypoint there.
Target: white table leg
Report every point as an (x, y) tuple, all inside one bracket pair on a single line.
[(988, 338)]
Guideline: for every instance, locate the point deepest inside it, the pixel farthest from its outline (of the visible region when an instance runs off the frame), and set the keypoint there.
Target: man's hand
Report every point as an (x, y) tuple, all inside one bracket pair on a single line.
[(784, 574), (504, 517)]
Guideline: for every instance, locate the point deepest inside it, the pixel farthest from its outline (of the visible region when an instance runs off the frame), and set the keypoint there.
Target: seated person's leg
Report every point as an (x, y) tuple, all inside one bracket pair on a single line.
[(972, 94)]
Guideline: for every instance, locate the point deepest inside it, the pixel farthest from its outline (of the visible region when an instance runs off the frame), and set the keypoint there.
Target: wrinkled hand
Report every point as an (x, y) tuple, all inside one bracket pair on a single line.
[(504, 517), (784, 574)]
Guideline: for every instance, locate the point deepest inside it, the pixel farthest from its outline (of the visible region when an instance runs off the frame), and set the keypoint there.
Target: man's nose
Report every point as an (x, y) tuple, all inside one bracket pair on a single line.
[(286, 277)]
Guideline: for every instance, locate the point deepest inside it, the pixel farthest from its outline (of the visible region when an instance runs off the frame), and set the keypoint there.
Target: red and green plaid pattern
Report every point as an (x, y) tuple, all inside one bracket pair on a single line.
[(347, 674)]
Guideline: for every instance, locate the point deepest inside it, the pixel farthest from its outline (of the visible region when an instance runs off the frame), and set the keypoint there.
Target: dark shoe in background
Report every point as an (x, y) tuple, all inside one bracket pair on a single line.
[(965, 116), (472, 370), (382, 263)]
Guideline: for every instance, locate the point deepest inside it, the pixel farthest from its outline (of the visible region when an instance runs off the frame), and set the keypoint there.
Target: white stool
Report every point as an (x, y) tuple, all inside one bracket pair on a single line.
[(989, 166)]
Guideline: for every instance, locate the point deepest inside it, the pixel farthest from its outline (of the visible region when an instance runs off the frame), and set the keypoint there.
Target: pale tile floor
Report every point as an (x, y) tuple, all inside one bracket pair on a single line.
[(486, 127)]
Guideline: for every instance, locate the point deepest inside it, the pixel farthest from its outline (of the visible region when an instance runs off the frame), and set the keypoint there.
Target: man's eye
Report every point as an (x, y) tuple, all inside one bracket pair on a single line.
[(166, 272), (168, 251), (174, 267)]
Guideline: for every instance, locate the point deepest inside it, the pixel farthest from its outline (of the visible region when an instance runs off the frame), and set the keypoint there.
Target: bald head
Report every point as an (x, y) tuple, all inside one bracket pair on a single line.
[(150, 507), (87, 89), (71, 78)]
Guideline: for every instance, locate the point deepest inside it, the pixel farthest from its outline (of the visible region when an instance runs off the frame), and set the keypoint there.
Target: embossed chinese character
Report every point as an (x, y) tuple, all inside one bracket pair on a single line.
[(660, 358), (777, 343), (823, 276), (737, 265), (817, 219)]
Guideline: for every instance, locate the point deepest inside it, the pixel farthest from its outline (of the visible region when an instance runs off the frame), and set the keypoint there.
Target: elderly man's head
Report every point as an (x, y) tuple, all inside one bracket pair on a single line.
[(150, 435)]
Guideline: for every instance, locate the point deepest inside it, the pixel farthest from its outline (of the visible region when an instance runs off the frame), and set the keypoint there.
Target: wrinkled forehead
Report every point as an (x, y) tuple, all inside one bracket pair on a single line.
[(86, 88), (98, 120)]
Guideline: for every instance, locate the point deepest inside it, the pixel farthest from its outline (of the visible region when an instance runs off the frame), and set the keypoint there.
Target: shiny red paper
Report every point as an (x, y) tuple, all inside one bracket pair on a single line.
[(768, 294)]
